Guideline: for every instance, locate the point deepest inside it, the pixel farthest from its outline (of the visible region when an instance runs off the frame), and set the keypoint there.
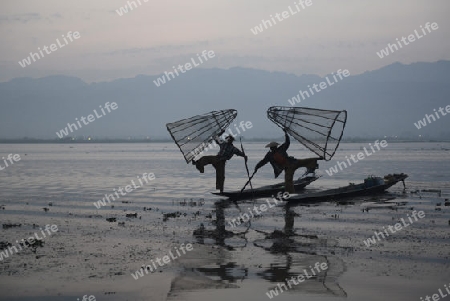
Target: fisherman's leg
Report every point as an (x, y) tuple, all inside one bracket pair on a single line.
[(289, 217), (220, 175), (310, 164), (203, 161), (289, 179), (289, 171)]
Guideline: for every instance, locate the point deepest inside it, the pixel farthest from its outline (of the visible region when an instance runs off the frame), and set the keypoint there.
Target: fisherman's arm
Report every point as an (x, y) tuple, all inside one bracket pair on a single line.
[(287, 141), (238, 152), (262, 162), (218, 138)]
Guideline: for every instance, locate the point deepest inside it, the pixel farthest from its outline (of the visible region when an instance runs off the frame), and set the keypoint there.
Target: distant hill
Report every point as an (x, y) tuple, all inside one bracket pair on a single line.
[(384, 102)]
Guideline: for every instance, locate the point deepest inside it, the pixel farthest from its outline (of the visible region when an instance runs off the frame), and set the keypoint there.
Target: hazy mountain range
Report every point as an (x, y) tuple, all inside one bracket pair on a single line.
[(384, 102)]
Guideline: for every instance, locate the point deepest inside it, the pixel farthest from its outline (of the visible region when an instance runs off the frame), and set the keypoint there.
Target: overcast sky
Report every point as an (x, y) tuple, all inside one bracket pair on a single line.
[(150, 39)]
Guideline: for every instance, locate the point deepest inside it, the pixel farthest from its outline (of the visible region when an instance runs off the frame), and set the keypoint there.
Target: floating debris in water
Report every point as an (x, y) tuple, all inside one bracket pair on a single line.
[(5, 244), (166, 216), (37, 243), (7, 226), (419, 192), (191, 202)]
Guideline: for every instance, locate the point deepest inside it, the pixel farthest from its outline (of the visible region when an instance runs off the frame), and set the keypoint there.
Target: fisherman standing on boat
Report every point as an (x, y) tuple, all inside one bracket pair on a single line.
[(226, 152), (279, 159)]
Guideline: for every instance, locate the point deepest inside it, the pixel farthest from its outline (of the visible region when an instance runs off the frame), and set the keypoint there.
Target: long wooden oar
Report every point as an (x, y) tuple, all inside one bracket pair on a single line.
[(249, 181), (246, 167)]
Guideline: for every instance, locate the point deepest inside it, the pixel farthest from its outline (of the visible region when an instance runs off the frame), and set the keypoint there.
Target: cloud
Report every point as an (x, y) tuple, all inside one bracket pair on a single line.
[(20, 18), (56, 16), (158, 49), (29, 17)]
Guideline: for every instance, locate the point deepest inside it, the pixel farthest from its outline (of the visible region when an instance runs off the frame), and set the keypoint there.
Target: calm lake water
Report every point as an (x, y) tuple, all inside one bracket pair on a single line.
[(88, 171)]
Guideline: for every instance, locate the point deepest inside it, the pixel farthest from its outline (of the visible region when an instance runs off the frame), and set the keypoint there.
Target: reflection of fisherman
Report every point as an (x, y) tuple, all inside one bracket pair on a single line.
[(279, 159), (227, 150)]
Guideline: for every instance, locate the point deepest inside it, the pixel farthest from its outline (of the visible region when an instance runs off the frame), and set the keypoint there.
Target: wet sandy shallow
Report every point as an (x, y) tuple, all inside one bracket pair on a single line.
[(89, 255)]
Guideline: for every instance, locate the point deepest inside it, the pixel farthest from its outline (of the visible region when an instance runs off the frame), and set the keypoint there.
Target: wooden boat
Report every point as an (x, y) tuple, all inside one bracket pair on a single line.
[(267, 191), (371, 185)]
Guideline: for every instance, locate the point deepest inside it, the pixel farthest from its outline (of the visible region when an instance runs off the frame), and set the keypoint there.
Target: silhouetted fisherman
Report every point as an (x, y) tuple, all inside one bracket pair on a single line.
[(279, 159), (226, 152)]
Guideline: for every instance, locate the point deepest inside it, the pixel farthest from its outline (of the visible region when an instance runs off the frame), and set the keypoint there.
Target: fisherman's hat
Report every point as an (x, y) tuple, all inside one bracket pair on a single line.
[(272, 144), (229, 138)]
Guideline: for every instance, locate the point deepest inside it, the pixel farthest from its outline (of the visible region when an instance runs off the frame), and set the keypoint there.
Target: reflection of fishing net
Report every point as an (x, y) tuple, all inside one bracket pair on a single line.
[(193, 135), (319, 130)]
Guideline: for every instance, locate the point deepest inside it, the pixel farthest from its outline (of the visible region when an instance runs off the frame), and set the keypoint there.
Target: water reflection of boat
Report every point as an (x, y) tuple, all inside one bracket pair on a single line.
[(371, 186), (284, 254), (295, 265), (301, 252), (229, 272), (220, 236)]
